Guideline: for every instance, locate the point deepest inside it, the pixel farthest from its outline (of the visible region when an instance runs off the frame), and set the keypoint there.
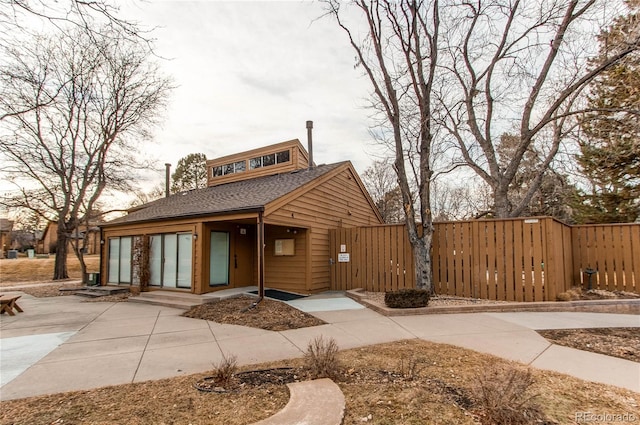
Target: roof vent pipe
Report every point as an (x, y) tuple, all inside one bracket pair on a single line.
[(310, 142), (167, 179)]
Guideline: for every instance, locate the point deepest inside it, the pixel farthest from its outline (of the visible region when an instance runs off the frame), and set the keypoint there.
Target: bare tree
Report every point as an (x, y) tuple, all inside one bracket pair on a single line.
[(518, 63), (381, 182), (17, 17), (72, 109), (399, 54)]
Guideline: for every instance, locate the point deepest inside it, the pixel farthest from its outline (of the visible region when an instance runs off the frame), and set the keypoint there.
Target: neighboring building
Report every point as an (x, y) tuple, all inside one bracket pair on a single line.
[(46, 244), (208, 239), (6, 226)]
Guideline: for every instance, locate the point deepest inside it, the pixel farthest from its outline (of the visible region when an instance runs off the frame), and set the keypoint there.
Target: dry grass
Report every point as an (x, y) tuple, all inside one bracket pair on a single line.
[(439, 392), (40, 270)]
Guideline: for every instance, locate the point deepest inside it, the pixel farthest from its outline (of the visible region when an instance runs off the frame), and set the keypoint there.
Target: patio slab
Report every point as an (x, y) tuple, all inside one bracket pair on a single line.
[(178, 360)]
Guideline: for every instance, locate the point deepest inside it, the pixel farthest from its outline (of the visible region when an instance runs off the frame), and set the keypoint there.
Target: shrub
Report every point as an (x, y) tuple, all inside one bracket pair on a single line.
[(407, 298), (321, 358), (504, 397), (225, 370), (409, 367)]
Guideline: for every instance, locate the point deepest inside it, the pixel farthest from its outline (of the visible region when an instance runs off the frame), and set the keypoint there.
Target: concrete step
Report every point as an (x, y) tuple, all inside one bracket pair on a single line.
[(169, 299), (100, 291)]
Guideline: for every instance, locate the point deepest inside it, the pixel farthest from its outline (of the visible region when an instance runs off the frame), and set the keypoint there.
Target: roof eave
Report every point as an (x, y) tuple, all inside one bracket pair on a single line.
[(254, 209)]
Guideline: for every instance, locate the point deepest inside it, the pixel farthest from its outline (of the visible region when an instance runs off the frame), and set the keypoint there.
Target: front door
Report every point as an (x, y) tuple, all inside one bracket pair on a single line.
[(219, 259)]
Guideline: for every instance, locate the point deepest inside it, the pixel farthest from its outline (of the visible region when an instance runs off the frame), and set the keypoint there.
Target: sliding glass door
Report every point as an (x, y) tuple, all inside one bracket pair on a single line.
[(170, 260), (119, 260)]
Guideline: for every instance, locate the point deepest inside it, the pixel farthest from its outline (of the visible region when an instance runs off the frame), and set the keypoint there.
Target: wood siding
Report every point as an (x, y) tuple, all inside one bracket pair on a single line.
[(298, 159), (339, 200), (286, 272)]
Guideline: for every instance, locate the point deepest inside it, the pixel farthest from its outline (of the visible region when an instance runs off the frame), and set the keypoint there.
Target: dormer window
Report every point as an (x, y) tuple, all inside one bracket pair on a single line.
[(270, 159), (231, 168)]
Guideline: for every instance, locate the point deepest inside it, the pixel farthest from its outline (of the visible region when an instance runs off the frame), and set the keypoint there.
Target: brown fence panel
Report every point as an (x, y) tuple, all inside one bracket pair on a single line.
[(493, 259), (611, 251), (376, 258), (523, 259)]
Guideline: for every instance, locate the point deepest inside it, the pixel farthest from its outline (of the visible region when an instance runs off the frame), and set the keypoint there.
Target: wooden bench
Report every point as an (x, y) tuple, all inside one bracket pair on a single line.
[(8, 304), (318, 402)]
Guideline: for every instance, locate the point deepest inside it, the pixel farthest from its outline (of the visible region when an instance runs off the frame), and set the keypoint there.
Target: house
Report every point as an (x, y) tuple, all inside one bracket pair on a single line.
[(6, 226), (46, 244), (263, 219)]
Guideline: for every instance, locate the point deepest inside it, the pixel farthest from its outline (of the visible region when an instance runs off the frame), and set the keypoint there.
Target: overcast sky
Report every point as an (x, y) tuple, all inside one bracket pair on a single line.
[(249, 74)]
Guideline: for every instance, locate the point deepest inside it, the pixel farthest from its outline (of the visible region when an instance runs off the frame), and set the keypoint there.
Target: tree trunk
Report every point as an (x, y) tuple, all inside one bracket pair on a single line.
[(422, 260), (421, 255), (60, 268), (501, 203), (83, 266)]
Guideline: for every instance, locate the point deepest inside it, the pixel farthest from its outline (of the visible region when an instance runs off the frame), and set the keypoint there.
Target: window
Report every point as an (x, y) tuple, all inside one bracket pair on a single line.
[(119, 270), (270, 159), (255, 162), (282, 157), (170, 260), (219, 259), (223, 170)]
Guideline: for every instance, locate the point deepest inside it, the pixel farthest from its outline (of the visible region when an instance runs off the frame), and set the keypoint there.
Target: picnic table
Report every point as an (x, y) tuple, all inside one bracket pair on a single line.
[(8, 303)]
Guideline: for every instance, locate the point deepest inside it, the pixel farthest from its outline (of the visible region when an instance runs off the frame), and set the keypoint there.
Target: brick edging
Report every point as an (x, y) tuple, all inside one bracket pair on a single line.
[(619, 306)]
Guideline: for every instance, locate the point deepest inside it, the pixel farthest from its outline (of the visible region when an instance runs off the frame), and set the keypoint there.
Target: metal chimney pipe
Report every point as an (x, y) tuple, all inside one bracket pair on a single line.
[(167, 178), (310, 142)]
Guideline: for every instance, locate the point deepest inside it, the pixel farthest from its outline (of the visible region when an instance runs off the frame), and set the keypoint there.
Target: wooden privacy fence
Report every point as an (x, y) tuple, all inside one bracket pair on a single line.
[(611, 253), (377, 258), (523, 259)]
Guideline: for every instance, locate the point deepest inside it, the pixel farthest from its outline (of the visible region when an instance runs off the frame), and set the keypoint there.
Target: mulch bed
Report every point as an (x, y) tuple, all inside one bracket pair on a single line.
[(268, 314), (618, 342)]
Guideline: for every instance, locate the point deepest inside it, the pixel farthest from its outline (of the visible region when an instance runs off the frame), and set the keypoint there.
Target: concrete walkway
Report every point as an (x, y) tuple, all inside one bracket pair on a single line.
[(63, 344)]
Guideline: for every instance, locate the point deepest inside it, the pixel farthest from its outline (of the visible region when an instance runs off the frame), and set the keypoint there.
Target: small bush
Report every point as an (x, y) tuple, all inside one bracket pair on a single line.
[(504, 397), (321, 358), (563, 296), (409, 367), (225, 370), (407, 298)]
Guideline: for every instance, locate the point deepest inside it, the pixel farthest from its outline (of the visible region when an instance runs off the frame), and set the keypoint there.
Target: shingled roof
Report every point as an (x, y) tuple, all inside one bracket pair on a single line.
[(229, 198)]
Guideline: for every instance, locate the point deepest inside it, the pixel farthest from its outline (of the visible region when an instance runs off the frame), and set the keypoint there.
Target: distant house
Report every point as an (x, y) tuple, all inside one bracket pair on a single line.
[(6, 226), (208, 239), (46, 244)]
